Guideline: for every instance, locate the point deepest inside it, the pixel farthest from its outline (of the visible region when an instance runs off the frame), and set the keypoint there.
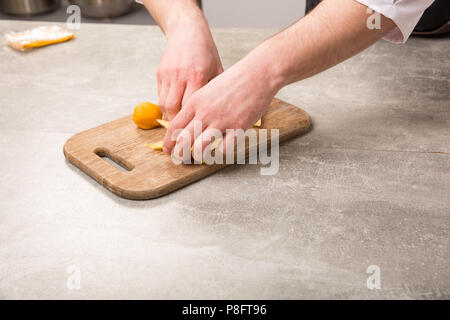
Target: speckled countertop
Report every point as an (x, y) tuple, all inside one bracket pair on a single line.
[(369, 185)]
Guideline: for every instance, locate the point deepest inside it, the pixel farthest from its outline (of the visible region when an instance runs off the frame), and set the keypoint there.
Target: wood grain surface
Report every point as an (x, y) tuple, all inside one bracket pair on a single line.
[(151, 173)]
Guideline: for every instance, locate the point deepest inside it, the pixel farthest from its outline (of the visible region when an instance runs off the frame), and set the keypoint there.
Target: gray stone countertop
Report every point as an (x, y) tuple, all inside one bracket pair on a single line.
[(369, 185)]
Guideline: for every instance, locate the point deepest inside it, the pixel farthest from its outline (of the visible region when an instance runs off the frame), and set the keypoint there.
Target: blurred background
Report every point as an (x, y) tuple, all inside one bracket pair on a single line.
[(274, 14), (220, 13)]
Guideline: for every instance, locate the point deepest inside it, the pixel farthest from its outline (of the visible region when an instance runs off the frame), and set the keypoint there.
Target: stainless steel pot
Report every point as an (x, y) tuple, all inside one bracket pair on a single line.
[(27, 7), (103, 8)]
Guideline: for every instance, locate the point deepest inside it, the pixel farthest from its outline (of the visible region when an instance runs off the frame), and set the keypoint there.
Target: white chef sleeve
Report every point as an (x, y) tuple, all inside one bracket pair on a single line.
[(404, 13)]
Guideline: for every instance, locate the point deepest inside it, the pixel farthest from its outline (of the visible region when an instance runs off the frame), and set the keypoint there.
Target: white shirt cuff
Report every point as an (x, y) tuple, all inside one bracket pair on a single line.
[(404, 13)]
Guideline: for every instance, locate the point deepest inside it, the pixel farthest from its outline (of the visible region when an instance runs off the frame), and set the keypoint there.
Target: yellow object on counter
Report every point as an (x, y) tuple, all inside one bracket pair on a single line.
[(38, 37), (146, 115), (164, 123), (155, 146)]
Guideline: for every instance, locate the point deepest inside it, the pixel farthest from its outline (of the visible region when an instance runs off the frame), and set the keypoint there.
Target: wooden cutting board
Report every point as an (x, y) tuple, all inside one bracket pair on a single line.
[(151, 173)]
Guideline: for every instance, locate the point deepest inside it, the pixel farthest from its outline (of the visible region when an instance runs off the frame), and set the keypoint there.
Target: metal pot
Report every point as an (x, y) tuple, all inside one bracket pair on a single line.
[(103, 8), (27, 7)]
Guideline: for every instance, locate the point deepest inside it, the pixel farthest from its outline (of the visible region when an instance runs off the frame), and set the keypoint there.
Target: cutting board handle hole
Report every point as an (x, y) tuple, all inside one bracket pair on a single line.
[(117, 162)]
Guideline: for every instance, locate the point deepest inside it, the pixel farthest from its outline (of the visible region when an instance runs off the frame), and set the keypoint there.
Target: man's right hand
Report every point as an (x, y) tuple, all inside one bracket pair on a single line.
[(190, 59)]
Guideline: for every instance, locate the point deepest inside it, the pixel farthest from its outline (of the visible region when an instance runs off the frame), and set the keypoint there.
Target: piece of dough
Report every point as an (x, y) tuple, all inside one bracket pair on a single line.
[(37, 37), (155, 146)]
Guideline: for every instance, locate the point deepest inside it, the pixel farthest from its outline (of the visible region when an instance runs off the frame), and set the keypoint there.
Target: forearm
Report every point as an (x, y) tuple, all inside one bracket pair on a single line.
[(335, 31), (173, 14)]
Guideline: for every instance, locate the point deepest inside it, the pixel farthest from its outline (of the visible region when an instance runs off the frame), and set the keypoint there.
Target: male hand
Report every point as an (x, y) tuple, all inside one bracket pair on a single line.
[(236, 99), (189, 62)]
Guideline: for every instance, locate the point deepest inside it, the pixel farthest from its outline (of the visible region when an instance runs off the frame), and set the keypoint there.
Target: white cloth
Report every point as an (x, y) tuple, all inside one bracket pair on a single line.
[(405, 14)]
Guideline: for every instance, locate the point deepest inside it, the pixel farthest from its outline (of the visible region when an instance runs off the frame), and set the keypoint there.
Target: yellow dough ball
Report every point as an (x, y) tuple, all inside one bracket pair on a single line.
[(145, 115)]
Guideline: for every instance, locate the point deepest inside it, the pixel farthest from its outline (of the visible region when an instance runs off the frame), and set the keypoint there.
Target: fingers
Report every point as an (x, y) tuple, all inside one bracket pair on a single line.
[(159, 81), (183, 142), (211, 136), (228, 143), (162, 95), (202, 139), (174, 97), (181, 120), (191, 87), (172, 103), (174, 93), (186, 138)]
